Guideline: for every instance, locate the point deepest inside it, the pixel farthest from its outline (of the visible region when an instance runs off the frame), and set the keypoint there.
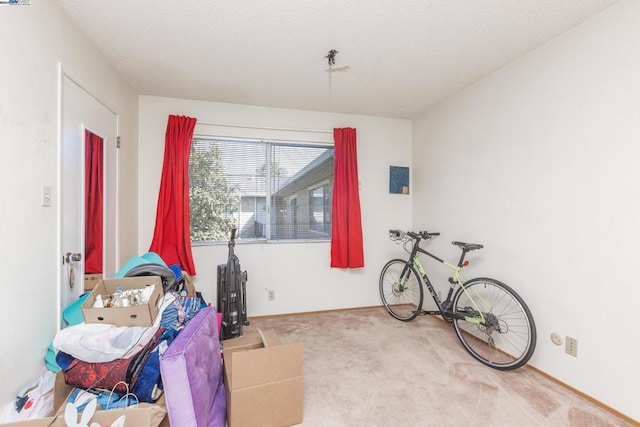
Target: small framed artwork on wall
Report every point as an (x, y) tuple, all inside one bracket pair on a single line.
[(398, 180)]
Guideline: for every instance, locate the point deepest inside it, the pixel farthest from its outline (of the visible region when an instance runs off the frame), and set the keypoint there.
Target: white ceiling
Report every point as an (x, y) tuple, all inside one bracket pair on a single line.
[(403, 55)]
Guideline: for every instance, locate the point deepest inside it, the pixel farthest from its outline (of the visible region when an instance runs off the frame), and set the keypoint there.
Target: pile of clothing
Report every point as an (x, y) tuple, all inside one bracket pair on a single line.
[(121, 365)]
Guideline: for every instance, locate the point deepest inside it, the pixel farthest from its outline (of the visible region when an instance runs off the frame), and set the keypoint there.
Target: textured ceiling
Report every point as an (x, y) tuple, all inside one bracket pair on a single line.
[(403, 56)]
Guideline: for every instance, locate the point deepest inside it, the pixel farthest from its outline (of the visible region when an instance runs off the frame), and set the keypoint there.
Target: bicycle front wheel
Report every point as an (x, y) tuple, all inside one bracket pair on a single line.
[(497, 328), (401, 290)]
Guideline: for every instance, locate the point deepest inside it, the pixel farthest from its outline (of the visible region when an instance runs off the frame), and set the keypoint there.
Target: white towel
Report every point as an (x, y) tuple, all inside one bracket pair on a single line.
[(99, 342)]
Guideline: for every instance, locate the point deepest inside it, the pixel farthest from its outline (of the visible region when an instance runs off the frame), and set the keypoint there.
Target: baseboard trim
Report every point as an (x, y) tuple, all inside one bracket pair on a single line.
[(309, 313), (585, 396)]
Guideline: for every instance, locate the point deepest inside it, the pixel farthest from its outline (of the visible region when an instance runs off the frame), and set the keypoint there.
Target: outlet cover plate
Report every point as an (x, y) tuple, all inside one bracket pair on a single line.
[(571, 346)]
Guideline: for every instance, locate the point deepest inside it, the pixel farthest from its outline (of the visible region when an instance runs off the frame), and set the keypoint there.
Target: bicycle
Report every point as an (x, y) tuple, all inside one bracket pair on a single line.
[(491, 320)]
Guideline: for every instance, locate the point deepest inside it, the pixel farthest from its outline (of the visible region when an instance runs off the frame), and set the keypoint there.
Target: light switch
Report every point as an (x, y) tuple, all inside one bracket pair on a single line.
[(46, 195)]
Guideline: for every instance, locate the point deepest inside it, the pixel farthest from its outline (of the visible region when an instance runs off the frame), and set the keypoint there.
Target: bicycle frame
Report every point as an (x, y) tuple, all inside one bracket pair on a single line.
[(444, 307)]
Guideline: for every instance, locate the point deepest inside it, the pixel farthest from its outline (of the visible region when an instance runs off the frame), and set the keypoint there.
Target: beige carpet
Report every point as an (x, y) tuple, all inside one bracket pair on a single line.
[(364, 368)]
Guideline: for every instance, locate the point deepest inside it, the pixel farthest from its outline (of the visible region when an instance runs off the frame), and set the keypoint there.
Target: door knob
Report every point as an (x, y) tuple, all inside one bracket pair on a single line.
[(72, 257)]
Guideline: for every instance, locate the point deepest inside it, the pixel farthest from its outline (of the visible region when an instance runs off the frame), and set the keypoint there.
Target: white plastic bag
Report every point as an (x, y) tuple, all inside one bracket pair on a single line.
[(39, 403)]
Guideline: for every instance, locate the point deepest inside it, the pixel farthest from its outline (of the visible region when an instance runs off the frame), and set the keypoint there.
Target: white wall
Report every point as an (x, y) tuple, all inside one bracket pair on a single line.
[(298, 272), (540, 163), (35, 39)]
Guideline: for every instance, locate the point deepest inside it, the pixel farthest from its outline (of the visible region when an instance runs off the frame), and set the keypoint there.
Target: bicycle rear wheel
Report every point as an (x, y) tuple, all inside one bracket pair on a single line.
[(401, 290), (506, 338)]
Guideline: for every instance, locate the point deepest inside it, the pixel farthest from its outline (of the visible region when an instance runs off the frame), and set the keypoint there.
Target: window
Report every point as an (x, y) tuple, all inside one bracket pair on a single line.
[(266, 190), (320, 210)]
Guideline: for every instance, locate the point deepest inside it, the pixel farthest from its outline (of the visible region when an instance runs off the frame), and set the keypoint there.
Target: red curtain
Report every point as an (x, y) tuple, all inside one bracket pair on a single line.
[(346, 229), (93, 196), (171, 237)]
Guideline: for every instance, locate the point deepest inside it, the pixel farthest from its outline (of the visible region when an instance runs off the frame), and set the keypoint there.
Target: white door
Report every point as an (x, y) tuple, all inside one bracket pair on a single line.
[(82, 111)]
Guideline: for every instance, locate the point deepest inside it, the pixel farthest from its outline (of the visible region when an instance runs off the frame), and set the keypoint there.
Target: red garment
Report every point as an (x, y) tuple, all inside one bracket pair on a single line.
[(114, 375)]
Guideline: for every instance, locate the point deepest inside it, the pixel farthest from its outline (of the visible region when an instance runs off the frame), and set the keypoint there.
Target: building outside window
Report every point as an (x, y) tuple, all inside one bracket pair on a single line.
[(320, 209)]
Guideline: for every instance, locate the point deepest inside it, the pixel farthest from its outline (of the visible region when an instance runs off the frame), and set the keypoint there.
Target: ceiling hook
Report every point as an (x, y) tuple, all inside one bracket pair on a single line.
[(331, 57)]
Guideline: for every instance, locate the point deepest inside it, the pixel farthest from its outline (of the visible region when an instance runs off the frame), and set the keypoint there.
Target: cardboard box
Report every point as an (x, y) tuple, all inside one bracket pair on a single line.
[(138, 315), (91, 280), (143, 414), (263, 380)]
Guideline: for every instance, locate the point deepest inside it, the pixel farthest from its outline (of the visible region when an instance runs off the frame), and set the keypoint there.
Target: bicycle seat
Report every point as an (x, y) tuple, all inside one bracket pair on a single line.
[(467, 246)]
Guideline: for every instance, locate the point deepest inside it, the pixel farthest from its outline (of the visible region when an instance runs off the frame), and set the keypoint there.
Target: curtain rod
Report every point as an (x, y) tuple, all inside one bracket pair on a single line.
[(231, 138), (263, 127)]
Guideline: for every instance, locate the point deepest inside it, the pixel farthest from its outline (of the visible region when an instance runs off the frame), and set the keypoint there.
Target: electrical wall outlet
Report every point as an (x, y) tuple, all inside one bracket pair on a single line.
[(571, 346), (271, 294)]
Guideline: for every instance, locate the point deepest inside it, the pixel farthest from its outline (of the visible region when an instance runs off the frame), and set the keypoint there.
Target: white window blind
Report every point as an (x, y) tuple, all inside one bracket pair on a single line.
[(266, 190)]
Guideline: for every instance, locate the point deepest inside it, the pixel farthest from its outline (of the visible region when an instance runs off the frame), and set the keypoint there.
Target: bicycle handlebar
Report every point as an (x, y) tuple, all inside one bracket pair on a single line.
[(399, 234)]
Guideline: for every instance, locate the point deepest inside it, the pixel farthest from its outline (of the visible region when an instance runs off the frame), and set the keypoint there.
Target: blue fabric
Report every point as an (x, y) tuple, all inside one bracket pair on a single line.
[(64, 360), (176, 270), (148, 379), (105, 399), (170, 317), (154, 258), (191, 306), (178, 314), (73, 313), (134, 261), (50, 359), (150, 375)]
